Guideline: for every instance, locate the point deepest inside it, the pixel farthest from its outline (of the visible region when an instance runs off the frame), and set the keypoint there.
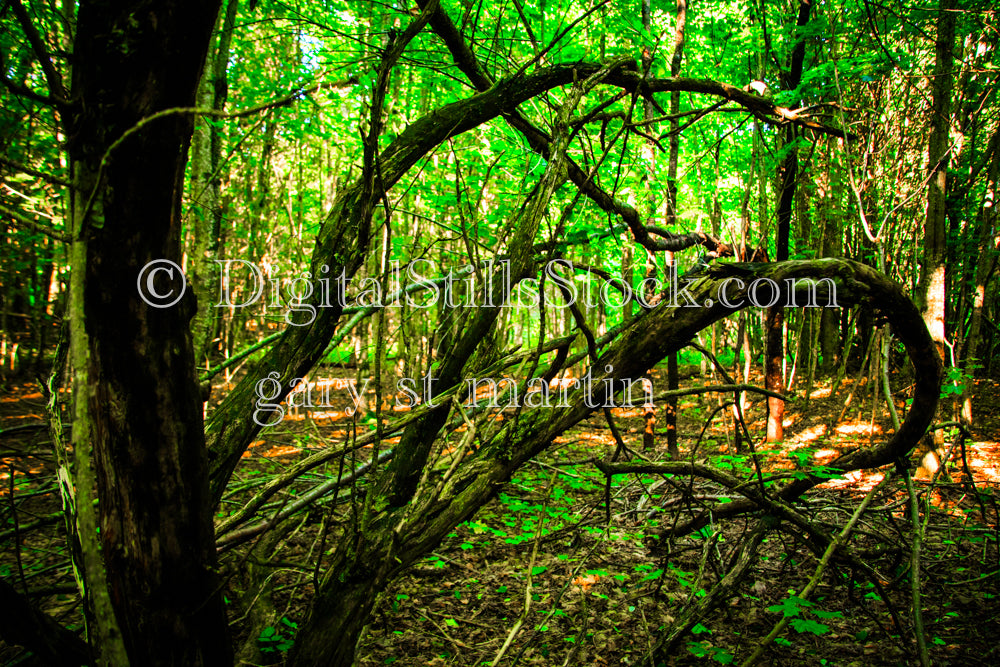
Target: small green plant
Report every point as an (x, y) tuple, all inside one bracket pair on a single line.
[(956, 380), (278, 639), (796, 609), (702, 649)]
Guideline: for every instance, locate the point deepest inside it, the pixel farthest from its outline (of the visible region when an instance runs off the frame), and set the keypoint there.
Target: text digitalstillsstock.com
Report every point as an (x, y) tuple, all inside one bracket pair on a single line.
[(161, 284)]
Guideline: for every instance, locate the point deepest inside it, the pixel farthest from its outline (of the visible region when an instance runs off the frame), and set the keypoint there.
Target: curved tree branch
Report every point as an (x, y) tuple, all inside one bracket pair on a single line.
[(397, 537)]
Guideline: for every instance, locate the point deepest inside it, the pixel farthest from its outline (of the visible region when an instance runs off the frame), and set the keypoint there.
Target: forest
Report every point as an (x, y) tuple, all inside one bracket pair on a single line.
[(499, 332)]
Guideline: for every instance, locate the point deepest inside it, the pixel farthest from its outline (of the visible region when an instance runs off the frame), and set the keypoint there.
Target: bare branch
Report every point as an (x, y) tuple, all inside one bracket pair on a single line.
[(52, 76)]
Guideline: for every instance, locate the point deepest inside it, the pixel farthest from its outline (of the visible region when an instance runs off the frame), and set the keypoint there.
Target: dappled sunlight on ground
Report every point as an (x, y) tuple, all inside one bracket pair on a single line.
[(858, 428), (597, 439), (822, 392), (984, 459), (812, 433), (856, 480)]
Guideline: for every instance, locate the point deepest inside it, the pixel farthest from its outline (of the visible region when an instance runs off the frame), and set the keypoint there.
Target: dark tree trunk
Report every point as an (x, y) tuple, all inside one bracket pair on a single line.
[(673, 381), (146, 428), (788, 172)]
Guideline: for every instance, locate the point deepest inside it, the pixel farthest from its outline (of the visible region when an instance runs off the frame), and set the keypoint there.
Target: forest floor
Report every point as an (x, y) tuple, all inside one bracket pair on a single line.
[(567, 580)]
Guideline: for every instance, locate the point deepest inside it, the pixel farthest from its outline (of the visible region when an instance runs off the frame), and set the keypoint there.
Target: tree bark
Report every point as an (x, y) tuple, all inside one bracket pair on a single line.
[(206, 210), (932, 271), (673, 380), (141, 396), (788, 173), (989, 244)]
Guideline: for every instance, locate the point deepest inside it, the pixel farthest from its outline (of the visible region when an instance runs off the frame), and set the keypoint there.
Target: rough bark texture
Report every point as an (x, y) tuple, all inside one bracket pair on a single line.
[(144, 407)]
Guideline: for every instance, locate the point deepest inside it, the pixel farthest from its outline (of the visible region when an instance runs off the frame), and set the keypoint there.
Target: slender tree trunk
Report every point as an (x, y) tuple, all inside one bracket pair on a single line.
[(206, 210), (989, 243), (673, 381), (788, 172), (829, 334), (932, 273), (933, 284)]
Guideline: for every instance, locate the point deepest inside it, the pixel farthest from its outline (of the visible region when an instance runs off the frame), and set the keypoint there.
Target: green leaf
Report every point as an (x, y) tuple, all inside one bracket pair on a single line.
[(790, 606), (808, 625), (451, 622)]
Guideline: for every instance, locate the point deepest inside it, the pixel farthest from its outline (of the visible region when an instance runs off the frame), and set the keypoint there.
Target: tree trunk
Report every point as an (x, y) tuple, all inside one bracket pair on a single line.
[(985, 265), (788, 172), (933, 286), (673, 380), (932, 273), (206, 153), (141, 396)]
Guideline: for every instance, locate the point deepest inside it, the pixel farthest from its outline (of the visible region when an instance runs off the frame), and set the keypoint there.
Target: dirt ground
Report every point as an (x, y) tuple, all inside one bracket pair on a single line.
[(548, 574)]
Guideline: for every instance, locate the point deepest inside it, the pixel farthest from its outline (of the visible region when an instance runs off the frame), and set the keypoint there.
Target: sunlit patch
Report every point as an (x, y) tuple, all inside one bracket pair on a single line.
[(812, 433), (626, 413), (855, 480), (280, 450), (586, 581), (984, 459), (597, 438), (825, 453), (989, 473), (822, 392), (858, 428), (20, 476), (335, 415)]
